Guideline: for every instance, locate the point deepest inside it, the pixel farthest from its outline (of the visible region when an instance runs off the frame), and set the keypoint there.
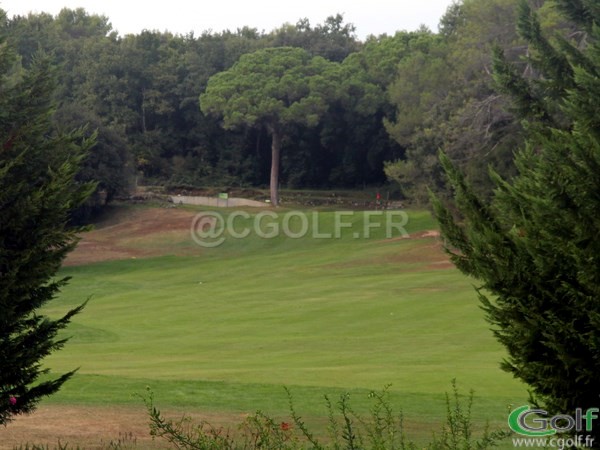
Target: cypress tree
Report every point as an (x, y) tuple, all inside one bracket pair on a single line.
[(535, 247), (37, 193)]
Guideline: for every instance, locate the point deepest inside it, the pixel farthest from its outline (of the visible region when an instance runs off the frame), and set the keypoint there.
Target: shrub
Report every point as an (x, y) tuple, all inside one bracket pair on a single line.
[(383, 429)]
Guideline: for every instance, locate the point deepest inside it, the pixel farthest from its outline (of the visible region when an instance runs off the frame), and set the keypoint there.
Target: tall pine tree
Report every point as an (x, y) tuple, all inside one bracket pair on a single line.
[(37, 193), (536, 247)]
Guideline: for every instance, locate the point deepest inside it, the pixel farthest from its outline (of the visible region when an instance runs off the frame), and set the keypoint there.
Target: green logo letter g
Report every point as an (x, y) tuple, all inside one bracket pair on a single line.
[(517, 422)]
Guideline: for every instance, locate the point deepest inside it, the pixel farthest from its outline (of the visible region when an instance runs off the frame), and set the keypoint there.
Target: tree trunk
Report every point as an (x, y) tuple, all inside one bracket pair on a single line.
[(275, 156), (144, 111)]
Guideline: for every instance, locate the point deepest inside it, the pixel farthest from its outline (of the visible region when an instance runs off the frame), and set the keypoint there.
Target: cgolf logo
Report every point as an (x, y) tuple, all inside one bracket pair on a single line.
[(526, 422)]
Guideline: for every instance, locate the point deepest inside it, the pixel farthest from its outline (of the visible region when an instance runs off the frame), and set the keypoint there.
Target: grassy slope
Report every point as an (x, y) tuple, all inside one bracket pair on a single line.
[(224, 331)]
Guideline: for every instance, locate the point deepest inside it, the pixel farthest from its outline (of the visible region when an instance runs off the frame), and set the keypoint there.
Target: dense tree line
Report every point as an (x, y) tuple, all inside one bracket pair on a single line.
[(397, 100)]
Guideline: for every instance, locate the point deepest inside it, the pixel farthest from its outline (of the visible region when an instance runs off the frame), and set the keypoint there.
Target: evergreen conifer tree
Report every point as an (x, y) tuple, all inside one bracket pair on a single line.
[(536, 247), (37, 193)]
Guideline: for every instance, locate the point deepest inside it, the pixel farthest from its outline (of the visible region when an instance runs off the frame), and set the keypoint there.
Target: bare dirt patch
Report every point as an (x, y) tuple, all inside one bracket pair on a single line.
[(418, 235), (137, 233), (427, 254), (95, 427), (88, 427), (430, 251), (425, 234)]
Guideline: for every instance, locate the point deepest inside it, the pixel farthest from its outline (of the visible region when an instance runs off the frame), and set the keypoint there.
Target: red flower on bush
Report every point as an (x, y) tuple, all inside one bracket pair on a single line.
[(285, 426), (12, 400)]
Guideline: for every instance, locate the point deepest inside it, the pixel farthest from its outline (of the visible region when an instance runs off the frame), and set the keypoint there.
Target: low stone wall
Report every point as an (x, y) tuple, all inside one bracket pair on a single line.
[(216, 202)]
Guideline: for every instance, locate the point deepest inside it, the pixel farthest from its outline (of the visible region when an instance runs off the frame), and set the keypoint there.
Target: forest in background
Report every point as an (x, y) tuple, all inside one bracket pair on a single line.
[(405, 97)]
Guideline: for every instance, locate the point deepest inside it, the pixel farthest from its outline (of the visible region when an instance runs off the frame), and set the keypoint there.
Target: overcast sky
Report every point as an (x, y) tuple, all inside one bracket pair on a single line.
[(182, 16)]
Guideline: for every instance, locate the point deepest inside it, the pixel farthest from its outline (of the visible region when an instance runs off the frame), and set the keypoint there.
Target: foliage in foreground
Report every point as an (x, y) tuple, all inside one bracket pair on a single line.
[(38, 193), (383, 429), (125, 441), (535, 247)]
